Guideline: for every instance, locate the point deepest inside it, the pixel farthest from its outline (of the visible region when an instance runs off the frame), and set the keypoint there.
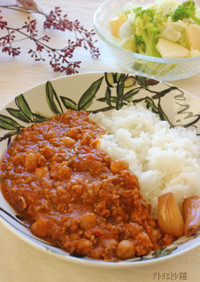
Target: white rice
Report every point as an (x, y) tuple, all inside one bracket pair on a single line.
[(164, 159)]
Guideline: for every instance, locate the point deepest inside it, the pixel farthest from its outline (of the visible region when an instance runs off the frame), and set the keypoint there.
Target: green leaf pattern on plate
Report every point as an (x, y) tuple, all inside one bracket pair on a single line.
[(8, 123), (121, 89), (52, 99), (69, 103), (23, 107), (18, 114), (87, 97)]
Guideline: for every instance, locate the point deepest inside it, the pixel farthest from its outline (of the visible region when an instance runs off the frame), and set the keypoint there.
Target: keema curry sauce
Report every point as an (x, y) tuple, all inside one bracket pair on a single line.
[(71, 194)]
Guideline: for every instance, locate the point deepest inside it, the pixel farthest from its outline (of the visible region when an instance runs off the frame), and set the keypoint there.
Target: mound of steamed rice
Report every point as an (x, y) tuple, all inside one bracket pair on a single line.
[(164, 159)]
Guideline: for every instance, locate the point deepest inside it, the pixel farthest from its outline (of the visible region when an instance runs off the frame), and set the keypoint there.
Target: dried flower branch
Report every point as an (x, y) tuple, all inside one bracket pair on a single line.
[(59, 59)]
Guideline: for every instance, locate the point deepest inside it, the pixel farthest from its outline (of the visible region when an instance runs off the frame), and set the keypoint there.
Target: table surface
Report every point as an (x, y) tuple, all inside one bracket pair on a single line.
[(20, 261)]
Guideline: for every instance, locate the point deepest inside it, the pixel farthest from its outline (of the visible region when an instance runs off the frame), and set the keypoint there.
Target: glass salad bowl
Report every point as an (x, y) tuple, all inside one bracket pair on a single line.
[(164, 69)]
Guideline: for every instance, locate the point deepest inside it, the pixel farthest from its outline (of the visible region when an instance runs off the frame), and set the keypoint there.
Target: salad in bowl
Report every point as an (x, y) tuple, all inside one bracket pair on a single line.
[(158, 39), (166, 29)]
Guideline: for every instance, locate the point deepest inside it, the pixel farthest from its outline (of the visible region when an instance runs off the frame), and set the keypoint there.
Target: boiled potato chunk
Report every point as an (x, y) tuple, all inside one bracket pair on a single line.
[(128, 43), (193, 36), (171, 34), (116, 23), (168, 49)]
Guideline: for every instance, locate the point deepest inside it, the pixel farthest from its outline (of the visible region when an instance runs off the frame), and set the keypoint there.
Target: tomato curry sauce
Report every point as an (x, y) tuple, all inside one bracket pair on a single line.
[(71, 194)]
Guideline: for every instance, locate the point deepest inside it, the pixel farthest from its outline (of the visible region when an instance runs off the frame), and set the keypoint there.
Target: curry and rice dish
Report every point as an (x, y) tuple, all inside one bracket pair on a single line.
[(73, 195)]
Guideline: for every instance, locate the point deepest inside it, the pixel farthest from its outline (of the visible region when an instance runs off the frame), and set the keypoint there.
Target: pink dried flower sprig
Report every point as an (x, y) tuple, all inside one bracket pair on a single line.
[(59, 59)]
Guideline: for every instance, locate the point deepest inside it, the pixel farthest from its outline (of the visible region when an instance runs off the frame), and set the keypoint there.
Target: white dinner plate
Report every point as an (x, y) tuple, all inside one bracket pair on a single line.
[(96, 92)]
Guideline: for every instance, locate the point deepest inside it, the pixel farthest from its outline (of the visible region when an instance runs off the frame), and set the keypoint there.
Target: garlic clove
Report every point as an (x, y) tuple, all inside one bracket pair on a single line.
[(191, 213), (170, 219)]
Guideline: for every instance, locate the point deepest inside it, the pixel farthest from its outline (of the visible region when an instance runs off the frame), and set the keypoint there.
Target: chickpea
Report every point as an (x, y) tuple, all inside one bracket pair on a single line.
[(125, 249), (87, 221), (83, 247), (40, 227)]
